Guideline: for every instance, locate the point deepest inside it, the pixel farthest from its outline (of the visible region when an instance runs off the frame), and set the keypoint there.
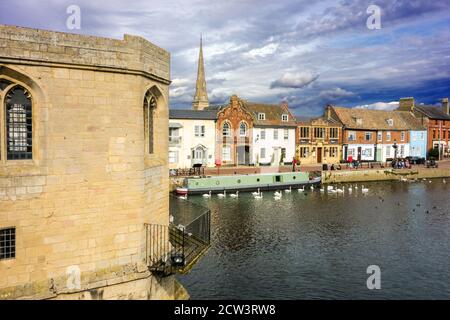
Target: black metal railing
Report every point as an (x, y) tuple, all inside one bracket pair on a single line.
[(176, 248), (188, 172)]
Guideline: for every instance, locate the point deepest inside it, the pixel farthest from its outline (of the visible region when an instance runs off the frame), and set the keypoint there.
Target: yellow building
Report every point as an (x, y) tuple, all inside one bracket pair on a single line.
[(319, 141), (83, 165)]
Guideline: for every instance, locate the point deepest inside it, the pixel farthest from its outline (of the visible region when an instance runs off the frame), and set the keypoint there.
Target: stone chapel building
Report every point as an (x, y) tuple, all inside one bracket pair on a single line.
[(83, 165)]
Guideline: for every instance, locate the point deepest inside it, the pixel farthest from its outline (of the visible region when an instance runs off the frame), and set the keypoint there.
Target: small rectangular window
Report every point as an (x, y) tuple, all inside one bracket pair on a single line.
[(173, 157), (263, 153), (275, 134), (261, 116), (263, 134), (403, 136), (226, 153), (351, 136), (200, 131), (286, 134), (7, 243), (285, 118), (304, 132), (368, 136), (388, 136)]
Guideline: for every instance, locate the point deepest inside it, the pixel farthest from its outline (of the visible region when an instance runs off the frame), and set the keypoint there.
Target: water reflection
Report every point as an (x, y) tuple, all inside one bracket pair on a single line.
[(319, 245)]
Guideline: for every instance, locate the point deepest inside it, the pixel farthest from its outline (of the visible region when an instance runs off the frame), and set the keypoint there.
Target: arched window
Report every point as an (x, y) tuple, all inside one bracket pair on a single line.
[(243, 129), (226, 130), (150, 104), (19, 124)]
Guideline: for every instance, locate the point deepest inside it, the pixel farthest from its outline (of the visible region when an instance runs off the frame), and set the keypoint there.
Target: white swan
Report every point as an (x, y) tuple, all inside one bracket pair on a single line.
[(322, 190), (234, 196), (301, 189), (256, 193), (223, 195), (183, 197), (312, 188), (444, 181), (288, 190), (207, 195), (278, 194), (340, 190), (259, 197), (364, 190), (277, 198), (330, 188)]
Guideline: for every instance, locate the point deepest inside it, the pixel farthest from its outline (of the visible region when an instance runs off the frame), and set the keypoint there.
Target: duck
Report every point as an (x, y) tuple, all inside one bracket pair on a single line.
[(223, 195), (234, 196), (256, 193), (259, 197), (183, 197), (288, 190), (207, 195)]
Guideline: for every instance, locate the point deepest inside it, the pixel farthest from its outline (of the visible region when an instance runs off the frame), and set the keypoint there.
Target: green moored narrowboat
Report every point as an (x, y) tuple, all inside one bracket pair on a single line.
[(247, 183)]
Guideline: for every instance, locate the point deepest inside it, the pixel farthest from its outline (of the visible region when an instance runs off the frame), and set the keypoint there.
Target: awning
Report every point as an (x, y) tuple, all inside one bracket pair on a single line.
[(175, 125)]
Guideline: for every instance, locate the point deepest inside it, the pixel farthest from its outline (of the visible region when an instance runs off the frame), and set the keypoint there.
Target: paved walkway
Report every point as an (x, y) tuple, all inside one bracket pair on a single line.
[(445, 164)]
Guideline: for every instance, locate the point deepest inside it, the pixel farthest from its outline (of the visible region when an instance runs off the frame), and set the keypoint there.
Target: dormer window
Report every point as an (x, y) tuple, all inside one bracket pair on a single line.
[(285, 118), (390, 122), (261, 116), (359, 121)]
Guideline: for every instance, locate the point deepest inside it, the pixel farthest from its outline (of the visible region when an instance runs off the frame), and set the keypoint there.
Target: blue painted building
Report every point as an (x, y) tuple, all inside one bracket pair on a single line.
[(418, 143), (418, 135)]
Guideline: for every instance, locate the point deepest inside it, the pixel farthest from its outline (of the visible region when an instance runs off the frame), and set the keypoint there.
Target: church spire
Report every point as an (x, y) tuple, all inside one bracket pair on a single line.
[(201, 95)]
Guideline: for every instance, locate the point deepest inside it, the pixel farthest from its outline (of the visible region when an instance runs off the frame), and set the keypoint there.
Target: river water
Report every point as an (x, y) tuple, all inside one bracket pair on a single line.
[(317, 245)]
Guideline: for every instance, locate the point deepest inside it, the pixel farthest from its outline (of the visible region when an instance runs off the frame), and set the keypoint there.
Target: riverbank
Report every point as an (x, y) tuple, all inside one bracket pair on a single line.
[(382, 175), (338, 176)]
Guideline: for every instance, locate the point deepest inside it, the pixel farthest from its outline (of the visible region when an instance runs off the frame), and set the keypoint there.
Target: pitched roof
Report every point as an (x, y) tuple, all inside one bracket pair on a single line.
[(365, 119), (192, 114), (273, 114), (414, 123), (432, 112), (319, 122)]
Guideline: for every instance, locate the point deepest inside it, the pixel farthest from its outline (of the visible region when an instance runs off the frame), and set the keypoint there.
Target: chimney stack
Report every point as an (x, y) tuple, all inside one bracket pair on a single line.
[(406, 104), (445, 106)]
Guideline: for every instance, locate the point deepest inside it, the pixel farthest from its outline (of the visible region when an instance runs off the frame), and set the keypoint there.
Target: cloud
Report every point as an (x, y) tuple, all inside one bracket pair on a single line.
[(250, 45), (294, 80), (335, 94), (387, 106), (262, 52)]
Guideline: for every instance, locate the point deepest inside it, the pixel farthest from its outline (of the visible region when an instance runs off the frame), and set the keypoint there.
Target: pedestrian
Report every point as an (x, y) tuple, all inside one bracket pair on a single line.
[(294, 164)]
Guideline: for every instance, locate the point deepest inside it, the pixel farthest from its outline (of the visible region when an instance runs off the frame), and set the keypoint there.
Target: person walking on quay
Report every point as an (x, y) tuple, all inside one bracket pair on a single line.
[(294, 164)]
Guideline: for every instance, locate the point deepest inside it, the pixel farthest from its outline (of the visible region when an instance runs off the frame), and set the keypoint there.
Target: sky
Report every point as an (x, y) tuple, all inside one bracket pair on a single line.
[(308, 53)]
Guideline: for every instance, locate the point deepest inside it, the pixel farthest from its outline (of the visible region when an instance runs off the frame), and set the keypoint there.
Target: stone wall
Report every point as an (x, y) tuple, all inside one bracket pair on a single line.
[(382, 175), (83, 201)]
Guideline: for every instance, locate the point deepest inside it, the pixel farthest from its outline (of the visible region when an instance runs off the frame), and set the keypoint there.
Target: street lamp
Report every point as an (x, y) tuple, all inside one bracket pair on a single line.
[(395, 146)]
